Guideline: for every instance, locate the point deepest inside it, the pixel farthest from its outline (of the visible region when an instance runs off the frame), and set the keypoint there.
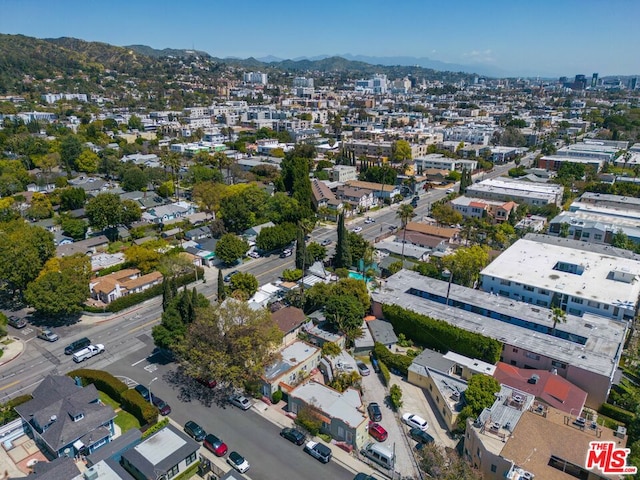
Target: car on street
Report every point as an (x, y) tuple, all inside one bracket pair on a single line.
[(195, 431), (325, 242), (420, 436), (163, 407), (286, 253), (318, 451), (17, 322), (449, 190), (86, 353), (364, 476), (78, 345), (415, 421), (48, 335), (392, 227), (238, 462), (375, 413), (357, 230), (143, 391), (240, 401), (378, 432), (293, 435), (215, 445), (207, 383), (227, 277), (369, 220), (363, 369), (253, 254)]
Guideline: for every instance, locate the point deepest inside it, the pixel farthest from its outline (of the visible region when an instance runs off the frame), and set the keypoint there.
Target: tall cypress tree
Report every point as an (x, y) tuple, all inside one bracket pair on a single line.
[(221, 293), (342, 258), (167, 295), (301, 249)]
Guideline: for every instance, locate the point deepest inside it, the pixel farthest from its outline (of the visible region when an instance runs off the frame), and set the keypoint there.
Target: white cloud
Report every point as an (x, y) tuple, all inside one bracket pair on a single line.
[(480, 56)]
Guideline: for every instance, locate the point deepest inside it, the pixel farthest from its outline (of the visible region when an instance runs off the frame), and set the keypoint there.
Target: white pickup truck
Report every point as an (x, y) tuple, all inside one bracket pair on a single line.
[(318, 450), (88, 352)]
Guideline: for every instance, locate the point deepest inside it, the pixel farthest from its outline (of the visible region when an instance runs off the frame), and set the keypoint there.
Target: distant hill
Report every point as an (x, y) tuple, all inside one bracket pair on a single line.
[(166, 52)]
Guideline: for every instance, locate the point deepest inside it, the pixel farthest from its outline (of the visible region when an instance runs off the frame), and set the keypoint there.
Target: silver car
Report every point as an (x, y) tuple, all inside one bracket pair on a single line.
[(240, 401)]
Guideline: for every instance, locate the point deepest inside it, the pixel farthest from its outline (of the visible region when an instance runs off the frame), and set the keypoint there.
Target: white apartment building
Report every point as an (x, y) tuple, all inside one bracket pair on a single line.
[(440, 162), (506, 189), (56, 97), (577, 276), (303, 82), (595, 226), (255, 77), (344, 173), (376, 85), (474, 134)]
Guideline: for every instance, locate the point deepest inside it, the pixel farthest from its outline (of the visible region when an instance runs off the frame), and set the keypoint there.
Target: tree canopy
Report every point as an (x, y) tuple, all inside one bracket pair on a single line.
[(230, 248)]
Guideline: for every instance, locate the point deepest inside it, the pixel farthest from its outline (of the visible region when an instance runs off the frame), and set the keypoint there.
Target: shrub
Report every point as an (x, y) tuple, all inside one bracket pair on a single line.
[(113, 268), (392, 360), (104, 381), (155, 428), (395, 395), (617, 413), (331, 349), (308, 419), (342, 273), (292, 274), (325, 436), (137, 406), (440, 335), (384, 370), (277, 396)]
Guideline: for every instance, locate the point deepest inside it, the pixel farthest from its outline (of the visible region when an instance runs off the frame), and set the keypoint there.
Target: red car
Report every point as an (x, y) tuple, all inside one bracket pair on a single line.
[(377, 432), (217, 446), (207, 383)]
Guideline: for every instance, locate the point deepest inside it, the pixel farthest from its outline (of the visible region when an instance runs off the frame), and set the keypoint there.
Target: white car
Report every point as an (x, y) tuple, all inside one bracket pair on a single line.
[(240, 401), (369, 220), (357, 230), (415, 421), (238, 462), (253, 254)]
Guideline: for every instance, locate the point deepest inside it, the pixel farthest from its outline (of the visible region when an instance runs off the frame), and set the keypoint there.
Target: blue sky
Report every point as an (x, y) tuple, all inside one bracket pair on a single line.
[(534, 37)]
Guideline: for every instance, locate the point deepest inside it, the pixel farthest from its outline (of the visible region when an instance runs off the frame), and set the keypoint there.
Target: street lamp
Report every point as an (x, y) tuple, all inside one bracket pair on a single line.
[(150, 395)]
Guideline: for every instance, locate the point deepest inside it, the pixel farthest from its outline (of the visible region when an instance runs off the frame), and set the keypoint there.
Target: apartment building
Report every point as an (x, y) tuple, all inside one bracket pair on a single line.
[(379, 149), (496, 211), (577, 276), (440, 162), (594, 227), (344, 173), (506, 189)]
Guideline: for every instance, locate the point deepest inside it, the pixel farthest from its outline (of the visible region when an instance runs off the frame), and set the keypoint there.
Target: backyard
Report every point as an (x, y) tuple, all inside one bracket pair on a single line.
[(123, 419)]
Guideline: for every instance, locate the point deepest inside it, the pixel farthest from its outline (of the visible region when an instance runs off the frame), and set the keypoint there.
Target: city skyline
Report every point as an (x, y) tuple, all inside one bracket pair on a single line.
[(507, 38)]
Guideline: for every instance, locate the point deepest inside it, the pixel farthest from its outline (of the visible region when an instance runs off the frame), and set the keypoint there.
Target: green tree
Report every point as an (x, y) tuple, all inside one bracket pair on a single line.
[(165, 189), (230, 342), (295, 177), (395, 395), (72, 198), (465, 180), (342, 257), (400, 151), (331, 349), (40, 207), (283, 208), (146, 258), (292, 275), (87, 161), (345, 314), (70, 150), (243, 209), (301, 251), (466, 263), (404, 214), (276, 237), (208, 196), (62, 287), (131, 212), (619, 240), (316, 252), (221, 292), (104, 211), (558, 316), (245, 283), (135, 123), (445, 214), (133, 178), (76, 228), (230, 248), (478, 396)]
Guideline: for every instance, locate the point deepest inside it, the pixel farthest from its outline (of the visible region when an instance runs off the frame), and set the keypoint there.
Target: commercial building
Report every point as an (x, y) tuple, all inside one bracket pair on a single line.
[(505, 189), (440, 162), (584, 350), (594, 227), (344, 173), (577, 276)]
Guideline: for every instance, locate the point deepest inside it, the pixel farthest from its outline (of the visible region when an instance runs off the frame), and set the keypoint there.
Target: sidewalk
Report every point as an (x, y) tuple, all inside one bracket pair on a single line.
[(11, 350)]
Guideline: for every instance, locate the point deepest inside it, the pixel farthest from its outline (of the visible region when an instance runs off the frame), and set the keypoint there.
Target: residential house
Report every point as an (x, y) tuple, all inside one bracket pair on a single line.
[(319, 332), (380, 190), (121, 283), (436, 175), (398, 248), (449, 234), (342, 414), (252, 232), (86, 247), (57, 469), (324, 198), (66, 419), (165, 454), (359, 200), (382, 332), (172, 212), (289, 320), (532, 223), (198, 233), (433, 243), (296, 362), (497, 211)]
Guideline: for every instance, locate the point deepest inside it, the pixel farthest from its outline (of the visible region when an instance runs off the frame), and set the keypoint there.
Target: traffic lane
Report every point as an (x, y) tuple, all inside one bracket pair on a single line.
[(271, 457)]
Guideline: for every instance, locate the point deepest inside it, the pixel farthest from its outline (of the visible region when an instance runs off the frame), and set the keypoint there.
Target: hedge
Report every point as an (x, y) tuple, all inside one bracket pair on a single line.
[(135, 298), (104, 381), (137, 406), (155, 428), (617, 413), (392, 360), (442, 336), (113, 269)]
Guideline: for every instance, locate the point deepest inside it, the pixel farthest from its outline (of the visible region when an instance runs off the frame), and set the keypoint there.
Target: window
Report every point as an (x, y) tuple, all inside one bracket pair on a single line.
[(528, 288), (515, 350), (190, 459), (577, 300), (505, 282), (593, 304), (597, 236), (533, 356), (542, 291), (557, 364), (494, 468), (173, 471)]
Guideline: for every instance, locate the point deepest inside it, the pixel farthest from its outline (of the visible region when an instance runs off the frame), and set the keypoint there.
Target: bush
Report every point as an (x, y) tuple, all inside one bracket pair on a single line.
[(292, 274), (276, 397), (617, 413), (440, 335), (308, 419), (386, 375), (113, 268), (104, 381), (155, 428), (392, 360), (8, 413), (395, 395), (137, 406)]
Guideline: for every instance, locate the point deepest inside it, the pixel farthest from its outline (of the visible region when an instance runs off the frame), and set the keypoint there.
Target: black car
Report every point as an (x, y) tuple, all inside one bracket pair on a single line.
[(293, 435), (364, 476), (142, 390), (420, 436), (195, 431), (375, 413), (16, 322), (76, 346)]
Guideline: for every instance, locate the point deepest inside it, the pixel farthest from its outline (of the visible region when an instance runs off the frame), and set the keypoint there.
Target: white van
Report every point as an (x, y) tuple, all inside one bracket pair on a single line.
[(88, 352), (379, 454)]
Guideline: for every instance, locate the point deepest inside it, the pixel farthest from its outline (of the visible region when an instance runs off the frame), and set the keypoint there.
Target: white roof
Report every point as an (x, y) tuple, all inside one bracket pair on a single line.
[(160, 446), (346, 406)]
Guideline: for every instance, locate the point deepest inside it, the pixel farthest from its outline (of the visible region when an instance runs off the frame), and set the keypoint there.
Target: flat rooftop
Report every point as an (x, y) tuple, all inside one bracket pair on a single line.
[(534, 263), (590, 219), (292, 356), (592, 342), (606, 198), (509, 187), (571, 159)]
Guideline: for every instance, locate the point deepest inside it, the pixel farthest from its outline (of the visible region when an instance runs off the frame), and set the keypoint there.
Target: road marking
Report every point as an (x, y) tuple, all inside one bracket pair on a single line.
[(139, 327), (9, 385), (27, 331), (151, 368), (139, 361)]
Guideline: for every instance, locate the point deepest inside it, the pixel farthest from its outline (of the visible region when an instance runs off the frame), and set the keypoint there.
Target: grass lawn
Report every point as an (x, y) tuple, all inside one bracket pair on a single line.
[(126, 421), (107, 400)]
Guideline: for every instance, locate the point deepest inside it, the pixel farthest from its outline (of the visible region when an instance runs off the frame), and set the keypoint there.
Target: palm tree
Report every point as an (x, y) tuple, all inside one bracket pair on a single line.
[(172, 161), (558, 316), (404, 213)]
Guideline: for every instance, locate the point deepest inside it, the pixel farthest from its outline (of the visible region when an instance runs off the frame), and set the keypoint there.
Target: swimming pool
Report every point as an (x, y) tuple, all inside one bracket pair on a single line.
[(357, 276)]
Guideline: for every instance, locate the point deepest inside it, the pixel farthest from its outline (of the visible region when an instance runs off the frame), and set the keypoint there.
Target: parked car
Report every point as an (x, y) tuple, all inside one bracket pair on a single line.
[(195, 431), (415, 421), (240, 401), (227, 277), (450, 190), (253, 254), (286, 253), (48, 335), (420, 436), (143, 391), (363, 369), (364, 476), (325, 242), (357, 230), (214, 444), (392, 227), (378, 432), (207, 383), (375, 413), (293, 435), (238, 462), (375, 365), (319, 451), (163, 407), (17, 322), (369, 220), (79, 344)]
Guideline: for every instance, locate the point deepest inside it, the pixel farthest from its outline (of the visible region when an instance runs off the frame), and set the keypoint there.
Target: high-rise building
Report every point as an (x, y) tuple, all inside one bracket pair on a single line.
[(594, 80), (580, 82), (633, 82), (255, 77)]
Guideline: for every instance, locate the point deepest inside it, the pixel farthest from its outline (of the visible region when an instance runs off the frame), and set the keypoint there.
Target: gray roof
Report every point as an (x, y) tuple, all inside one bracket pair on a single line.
[(56, 400), (115, 447), (62, 468), (161, 451), (433, 360), (382, 332)]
